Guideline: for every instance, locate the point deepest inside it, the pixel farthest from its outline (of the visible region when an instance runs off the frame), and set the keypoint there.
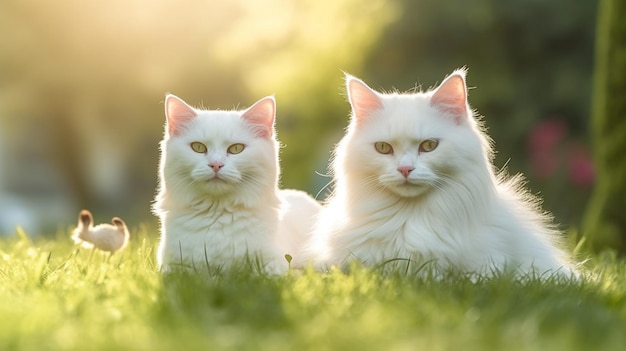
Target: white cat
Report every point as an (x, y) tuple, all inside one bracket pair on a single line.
[(414, 180), (218, 199)]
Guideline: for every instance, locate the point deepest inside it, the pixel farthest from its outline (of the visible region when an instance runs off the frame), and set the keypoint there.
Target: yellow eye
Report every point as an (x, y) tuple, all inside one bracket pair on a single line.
[(428, 145), (198, 147), (383, 147), (236, 148)]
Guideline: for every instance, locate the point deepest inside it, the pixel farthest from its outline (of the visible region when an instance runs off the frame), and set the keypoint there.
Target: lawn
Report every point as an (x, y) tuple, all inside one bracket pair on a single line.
[(55, 296)]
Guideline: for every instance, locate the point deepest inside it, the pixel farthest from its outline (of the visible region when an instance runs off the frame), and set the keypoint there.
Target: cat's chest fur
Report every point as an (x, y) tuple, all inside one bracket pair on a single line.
[(401, 230), (220, 234)]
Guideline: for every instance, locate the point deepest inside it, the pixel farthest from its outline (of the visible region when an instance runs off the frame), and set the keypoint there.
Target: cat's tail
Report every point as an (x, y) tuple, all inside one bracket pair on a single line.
[(297, 218)]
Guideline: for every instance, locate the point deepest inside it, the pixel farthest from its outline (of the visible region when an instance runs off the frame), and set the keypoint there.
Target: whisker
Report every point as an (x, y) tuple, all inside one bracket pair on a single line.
[(331, 182)]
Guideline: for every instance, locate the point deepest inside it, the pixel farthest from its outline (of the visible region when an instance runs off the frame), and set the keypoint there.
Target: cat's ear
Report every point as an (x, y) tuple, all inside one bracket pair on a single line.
[(261, 115), (364, 100), (451, 96), (178, 113)]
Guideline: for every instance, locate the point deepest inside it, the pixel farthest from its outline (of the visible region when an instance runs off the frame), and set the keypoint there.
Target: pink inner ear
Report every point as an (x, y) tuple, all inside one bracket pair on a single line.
[(177, 113), (363, 99), (261, 115), (451, 97)]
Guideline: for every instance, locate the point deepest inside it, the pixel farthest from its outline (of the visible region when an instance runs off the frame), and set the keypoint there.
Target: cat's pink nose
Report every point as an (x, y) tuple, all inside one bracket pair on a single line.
[(216, 166), (405, 170)]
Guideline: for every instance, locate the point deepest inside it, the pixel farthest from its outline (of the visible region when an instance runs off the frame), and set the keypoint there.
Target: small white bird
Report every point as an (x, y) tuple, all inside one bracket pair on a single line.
[(105, 237)]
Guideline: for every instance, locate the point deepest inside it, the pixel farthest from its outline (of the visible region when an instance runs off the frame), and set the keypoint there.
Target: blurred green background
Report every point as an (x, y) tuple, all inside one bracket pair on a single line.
[(82, 85)]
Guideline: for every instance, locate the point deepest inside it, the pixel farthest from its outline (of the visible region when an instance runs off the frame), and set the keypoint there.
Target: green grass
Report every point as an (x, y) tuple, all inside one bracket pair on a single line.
[(54, 296)]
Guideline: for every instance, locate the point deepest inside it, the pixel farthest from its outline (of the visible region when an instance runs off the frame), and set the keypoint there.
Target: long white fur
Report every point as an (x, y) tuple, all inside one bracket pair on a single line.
[(457, 212), (242, 216)]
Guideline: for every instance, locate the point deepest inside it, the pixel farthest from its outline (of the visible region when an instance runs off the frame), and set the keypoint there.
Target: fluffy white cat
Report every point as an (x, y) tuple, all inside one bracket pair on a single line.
[(414, 180), (218, 198)]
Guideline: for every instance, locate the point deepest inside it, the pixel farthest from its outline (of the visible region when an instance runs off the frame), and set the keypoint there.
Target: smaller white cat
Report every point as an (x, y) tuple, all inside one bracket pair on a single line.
[(414, 180), (218, 198)]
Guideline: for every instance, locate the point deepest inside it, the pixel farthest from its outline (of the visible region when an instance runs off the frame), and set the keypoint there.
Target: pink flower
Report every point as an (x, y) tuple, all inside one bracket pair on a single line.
[(547, 135), (543, 143), (580, 166)]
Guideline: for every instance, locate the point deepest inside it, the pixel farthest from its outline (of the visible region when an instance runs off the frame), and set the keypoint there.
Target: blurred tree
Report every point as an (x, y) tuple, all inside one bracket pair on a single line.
[(605, 220)]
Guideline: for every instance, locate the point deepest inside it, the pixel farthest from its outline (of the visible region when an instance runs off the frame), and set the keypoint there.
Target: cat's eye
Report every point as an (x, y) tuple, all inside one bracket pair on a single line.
[(235, 149), (198, 147), (428, 145), (383, 147)]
